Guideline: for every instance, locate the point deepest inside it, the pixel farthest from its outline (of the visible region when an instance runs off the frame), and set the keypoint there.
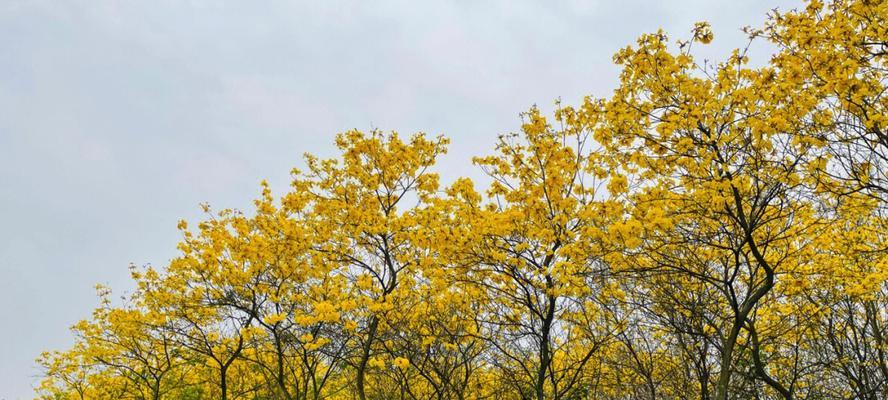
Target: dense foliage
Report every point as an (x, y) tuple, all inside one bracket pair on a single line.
[(710, 231)]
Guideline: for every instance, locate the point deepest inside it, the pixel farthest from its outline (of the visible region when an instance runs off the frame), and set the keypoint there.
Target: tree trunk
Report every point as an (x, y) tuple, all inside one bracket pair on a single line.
[(365, 357)]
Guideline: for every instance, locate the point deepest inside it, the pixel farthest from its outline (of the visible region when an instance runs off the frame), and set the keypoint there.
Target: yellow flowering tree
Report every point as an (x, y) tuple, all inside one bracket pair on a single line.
[(538, 254), (366, 231)]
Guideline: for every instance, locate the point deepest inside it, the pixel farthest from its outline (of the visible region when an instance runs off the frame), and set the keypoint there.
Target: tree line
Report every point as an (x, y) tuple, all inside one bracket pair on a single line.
[(708, 231)]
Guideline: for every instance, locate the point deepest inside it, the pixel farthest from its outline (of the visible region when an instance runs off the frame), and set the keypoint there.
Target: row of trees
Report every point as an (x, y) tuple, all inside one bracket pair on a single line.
[(711, 231)]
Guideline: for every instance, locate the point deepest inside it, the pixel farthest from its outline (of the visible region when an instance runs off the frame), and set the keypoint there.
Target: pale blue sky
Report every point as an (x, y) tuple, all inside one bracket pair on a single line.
[(118, 118)]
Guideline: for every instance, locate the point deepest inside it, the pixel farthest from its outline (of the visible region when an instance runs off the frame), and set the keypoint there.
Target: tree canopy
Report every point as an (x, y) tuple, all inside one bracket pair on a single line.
[(709, 231)]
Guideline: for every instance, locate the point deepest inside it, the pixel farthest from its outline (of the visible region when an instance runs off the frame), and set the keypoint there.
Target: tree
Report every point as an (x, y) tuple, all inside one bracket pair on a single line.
[(363, 232), (538, 253)]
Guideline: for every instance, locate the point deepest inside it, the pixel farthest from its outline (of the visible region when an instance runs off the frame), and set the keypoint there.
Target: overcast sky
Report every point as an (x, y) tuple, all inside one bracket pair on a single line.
[(119, 118)]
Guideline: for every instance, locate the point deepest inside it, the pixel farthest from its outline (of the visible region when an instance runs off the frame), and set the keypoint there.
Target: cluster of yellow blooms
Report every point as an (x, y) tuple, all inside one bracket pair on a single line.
[(713, 231)]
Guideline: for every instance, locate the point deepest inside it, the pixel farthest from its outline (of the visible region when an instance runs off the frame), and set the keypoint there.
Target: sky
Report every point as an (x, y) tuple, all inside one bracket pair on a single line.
[(118, 118)]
